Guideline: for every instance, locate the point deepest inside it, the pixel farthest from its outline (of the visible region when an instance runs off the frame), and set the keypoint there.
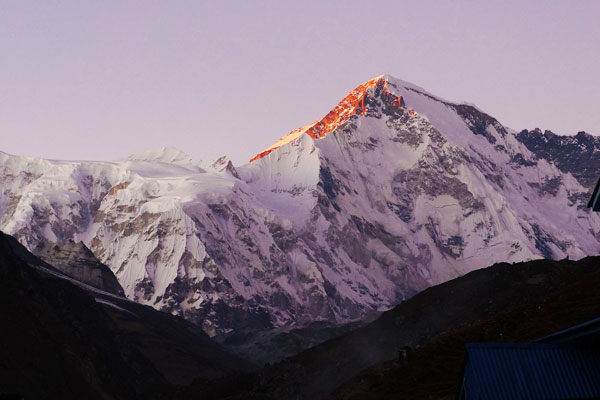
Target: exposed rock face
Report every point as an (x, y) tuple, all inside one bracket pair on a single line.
[(575, 154), (78, 262), (405, 191)]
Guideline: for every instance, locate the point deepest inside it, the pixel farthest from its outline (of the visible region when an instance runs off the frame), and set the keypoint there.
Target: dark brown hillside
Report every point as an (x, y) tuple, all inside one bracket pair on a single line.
[(58, 340), (433, 370)]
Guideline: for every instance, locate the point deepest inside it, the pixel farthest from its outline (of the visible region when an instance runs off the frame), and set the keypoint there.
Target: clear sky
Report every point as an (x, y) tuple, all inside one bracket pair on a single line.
[(104, 79)]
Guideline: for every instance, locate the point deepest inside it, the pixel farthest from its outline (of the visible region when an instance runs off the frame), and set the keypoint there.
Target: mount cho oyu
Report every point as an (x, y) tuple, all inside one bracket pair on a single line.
[(393, 191)]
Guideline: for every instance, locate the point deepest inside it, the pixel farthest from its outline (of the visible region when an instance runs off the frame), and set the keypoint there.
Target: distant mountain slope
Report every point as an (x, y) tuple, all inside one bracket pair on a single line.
[(60, 339), (391, 192), (577, 154), (505, 302)]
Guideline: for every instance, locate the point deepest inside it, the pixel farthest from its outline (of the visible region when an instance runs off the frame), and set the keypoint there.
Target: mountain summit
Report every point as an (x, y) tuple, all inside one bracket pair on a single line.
[(372, 93), (373, 204)]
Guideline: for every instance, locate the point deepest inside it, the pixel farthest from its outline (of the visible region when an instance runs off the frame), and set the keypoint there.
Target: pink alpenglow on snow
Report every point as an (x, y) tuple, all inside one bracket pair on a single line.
[(352, 104)]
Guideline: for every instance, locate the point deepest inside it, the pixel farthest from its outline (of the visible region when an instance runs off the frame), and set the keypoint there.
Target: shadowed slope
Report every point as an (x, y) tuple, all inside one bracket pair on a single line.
[(434, 370), (59, 340), (78, 262)]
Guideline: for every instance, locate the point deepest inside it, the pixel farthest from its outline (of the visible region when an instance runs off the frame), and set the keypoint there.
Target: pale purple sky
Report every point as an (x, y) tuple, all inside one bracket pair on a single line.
[(104, 79)]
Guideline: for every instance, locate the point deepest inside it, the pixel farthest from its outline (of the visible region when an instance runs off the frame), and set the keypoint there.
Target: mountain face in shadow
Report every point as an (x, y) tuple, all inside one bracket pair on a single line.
[(64, 339), (78, 262)]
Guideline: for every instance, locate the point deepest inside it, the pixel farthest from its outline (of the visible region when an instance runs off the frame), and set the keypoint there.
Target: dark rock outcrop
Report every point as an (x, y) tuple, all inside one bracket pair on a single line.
[(575, 154), (78, 262)]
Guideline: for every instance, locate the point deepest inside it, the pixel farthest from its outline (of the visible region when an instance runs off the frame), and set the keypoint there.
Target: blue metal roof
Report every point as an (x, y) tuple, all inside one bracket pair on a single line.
[(530, 371)]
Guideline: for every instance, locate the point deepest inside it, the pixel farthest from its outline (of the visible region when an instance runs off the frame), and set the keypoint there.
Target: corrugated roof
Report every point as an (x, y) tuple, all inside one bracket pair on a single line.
[(531, 371)]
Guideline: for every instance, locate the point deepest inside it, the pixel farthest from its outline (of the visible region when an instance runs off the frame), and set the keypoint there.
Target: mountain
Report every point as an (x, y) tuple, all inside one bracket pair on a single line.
[(65, 339), (391, 192)]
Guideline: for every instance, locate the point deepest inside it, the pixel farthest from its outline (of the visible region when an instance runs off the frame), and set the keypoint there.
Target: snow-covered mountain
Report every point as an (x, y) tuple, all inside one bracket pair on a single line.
[(393, 191)]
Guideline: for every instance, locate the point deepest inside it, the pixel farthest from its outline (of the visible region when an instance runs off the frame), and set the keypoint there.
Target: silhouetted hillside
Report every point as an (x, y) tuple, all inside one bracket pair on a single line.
[(59, 340), (434, 370)]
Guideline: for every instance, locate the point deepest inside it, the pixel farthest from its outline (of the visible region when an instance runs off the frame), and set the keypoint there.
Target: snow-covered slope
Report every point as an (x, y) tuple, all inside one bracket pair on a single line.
[(393, 191)]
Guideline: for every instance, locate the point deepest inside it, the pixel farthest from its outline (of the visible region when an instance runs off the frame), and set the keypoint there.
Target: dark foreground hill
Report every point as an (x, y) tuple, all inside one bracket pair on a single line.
[(434, 370), (416, 349), (63, 339)]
